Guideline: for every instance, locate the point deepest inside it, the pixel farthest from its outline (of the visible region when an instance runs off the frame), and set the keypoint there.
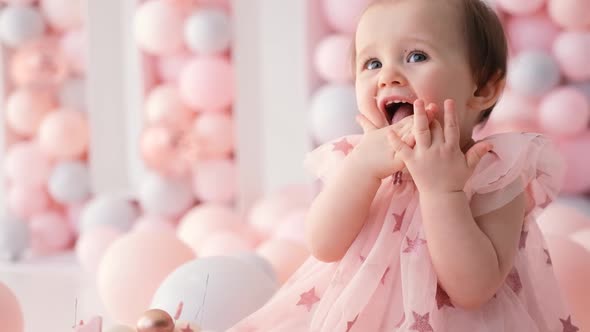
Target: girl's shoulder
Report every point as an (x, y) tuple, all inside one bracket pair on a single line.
[(518, 162)]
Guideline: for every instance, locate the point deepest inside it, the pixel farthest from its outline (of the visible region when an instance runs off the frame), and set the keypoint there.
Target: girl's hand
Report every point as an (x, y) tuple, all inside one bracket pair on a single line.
[(375, 154), (436, 162)]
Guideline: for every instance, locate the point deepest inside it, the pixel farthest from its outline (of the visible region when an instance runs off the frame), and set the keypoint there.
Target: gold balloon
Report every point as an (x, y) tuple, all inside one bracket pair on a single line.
[(155, 320)]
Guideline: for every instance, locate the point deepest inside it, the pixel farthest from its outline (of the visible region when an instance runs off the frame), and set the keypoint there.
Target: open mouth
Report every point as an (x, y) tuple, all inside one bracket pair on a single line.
[(395, 111)]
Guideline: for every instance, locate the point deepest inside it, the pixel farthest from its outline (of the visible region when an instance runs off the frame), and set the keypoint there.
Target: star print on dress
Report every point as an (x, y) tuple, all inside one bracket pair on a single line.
[(413, 245), (343, 146), (442, 298), (350, 324), (362, 258), (399, 219), (568, 326), (523, 237), (513, 280), (308, 299), (421, 323), (549, 262)]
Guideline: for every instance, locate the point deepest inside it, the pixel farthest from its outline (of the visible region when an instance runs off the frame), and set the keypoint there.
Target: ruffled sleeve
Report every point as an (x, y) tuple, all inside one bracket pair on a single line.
[(325, 159), (519, 163)]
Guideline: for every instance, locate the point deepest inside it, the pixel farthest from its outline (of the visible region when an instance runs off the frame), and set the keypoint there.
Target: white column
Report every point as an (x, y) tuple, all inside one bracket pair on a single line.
[(113, 80), (270, 53)]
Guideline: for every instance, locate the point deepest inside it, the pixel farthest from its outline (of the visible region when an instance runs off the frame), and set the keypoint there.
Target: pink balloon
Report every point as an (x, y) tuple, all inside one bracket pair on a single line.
[(149, 75), (267, 213), (536, 32), (214, 132), (572, 14), (25, 164), (207, 83), (91, 246), (564, 112), (64, 134), (285, 256), (571, 264), (11, 315), (513, 107), (561, 220), (204, 220), (160, 149), (153, 223), (223, 4), (25, 202), (73, 212), (26, 107), (74, 46), (50, 233), (572, 51), (520, 7), (170, 67), (64, 14), (215, 181), (225, 243), (577, 159), (132, 269), (344, 18), (164, 105), (39, 63), (292, 227), (159, 27), (332, 61)]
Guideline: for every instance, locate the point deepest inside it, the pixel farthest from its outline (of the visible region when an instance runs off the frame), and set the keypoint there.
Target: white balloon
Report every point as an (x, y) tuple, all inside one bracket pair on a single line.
[(533, 73), (165, 197), (20, 24), (70, 182), (73, 94), (260, 262), (216, 292), (333, 110), (114, 210), (208, 31), (14, 237)]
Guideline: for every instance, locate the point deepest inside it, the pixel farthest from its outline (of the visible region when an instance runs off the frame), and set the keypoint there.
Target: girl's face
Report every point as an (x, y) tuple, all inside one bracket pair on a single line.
[(407, 50)]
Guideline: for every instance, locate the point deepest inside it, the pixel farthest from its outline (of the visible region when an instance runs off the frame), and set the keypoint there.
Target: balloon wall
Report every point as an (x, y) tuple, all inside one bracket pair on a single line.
[(45, 121)]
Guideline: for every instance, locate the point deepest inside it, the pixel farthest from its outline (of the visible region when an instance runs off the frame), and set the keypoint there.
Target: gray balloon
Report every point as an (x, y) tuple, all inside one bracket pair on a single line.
[(113, 210), (217, 292), (70, 183), (14, 237), (533, 73)]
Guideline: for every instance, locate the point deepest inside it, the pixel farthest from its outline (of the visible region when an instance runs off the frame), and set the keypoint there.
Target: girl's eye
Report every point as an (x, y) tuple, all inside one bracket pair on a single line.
[(373, 64), (417, 57)]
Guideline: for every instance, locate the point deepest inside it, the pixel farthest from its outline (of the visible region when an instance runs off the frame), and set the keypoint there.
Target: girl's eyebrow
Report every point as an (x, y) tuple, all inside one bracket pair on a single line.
[(366, 49)]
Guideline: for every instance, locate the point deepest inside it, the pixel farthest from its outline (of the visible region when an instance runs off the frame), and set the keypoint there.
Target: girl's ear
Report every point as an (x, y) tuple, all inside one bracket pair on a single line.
[(487, 95)]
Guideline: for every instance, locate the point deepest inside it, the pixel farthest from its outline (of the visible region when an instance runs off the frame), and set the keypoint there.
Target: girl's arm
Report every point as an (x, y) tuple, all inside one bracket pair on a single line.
[(338, 213), (472, 257)]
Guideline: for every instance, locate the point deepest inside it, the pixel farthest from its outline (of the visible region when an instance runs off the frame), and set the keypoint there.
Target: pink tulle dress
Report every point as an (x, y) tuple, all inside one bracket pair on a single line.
[(386, 281)]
